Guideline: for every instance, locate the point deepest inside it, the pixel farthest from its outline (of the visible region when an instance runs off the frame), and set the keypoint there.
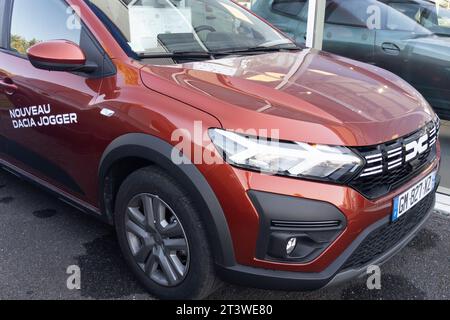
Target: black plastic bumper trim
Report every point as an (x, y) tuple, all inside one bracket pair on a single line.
[(297, 216), (303, 281)]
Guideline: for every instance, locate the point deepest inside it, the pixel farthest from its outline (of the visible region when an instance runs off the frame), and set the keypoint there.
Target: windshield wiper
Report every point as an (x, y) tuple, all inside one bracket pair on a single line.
[(253, 50), (178, 55), (213, 54)]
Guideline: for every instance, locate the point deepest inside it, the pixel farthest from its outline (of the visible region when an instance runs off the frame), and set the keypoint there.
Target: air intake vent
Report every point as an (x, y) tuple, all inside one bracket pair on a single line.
[(305, 225)]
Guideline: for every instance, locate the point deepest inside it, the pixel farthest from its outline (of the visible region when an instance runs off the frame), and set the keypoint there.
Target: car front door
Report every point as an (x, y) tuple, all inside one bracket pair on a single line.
[(45, 115), (395, 42), (349, 30)]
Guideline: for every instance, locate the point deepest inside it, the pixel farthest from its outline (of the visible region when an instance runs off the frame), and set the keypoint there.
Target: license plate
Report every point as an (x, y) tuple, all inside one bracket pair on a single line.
[(410, 198)]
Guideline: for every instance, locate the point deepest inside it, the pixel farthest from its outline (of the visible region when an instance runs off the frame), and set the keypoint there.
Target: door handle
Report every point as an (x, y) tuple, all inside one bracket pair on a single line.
[(390, 48), (9, 88)]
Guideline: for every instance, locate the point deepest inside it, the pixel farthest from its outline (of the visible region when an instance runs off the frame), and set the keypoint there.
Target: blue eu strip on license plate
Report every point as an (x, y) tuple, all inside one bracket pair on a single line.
[(404, 202)]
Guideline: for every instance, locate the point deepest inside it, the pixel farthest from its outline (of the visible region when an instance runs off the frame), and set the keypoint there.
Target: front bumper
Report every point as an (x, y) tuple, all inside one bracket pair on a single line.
[(337, 272)]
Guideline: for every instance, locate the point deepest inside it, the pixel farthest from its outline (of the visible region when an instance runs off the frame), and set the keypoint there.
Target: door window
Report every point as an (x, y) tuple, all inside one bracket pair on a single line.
[(427, 15), (347, 12), (42, 20), (410, 10), (289, 7), (397, 21)]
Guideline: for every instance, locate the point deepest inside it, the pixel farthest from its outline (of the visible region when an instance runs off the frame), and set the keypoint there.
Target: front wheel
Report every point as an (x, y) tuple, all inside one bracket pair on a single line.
[(162, 236)]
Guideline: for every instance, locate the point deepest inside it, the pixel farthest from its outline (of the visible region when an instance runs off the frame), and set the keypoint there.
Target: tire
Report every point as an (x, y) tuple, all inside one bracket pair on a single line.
[(166, 274)]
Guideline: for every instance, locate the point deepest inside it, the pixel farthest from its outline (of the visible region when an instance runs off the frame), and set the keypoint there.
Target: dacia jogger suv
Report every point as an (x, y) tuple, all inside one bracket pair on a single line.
[(217, 147)]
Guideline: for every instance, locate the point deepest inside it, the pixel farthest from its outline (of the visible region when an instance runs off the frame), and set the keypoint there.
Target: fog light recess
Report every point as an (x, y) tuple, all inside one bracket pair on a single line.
[(291, 245)]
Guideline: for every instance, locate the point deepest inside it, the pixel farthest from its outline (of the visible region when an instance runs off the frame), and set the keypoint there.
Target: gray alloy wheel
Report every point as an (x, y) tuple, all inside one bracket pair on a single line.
[(157, 240)]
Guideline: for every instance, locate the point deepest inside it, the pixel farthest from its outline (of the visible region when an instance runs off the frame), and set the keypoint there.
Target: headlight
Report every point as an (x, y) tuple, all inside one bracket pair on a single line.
[(292, 159), (437, 123)]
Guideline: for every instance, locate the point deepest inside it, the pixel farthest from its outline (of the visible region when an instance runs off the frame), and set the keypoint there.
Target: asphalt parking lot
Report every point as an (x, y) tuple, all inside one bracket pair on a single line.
[(40, 237)]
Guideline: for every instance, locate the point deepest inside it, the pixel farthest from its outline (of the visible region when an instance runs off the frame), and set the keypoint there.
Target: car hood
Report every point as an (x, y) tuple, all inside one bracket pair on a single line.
[(308, 96)]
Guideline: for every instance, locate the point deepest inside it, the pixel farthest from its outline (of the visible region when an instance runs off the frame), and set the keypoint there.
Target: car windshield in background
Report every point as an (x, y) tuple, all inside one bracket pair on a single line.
[(155, 27)]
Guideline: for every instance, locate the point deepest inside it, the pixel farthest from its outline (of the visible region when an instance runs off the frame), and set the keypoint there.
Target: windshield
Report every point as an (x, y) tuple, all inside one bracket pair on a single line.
[(170, 26)]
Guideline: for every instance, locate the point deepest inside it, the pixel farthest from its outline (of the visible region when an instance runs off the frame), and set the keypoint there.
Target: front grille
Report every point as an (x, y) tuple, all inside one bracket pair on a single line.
[(388, 166), (386, 237)]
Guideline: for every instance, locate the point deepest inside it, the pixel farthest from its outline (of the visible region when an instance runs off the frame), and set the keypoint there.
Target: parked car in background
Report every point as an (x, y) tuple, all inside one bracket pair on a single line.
[(434, 18), (375, 33)]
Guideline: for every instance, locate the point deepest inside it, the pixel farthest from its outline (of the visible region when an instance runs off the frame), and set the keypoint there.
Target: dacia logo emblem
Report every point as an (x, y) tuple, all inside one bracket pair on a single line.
[(416, 148)]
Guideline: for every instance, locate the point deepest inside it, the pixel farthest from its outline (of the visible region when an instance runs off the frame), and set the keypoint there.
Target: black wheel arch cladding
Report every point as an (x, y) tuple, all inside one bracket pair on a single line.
[(158, 152)]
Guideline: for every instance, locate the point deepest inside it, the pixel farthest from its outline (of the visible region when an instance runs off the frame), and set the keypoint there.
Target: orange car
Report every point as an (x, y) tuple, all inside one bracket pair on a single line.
[(216, 146)]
